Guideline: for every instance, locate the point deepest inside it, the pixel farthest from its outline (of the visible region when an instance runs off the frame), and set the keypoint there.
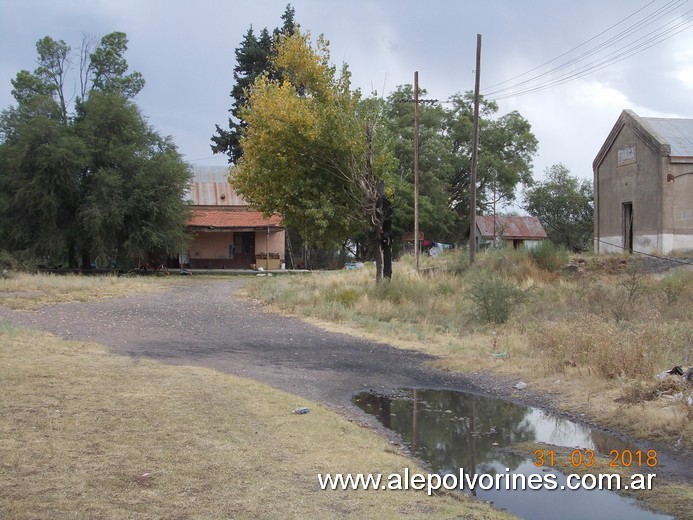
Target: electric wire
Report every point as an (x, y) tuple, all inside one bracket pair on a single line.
[(599, 54), (658, 257), (571, 50), (660, 31), (612, 59)]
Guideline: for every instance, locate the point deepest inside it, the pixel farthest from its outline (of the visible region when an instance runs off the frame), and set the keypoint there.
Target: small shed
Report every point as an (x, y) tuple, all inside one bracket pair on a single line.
[(515, 232)]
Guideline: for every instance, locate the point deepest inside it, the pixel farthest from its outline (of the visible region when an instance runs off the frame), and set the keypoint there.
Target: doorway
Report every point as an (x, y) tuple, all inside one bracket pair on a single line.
[(628, 226), (242, 252)]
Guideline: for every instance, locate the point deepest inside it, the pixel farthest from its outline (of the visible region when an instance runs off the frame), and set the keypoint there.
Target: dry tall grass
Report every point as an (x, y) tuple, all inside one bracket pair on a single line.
[(87, 434), (28, 291), (610, 321)]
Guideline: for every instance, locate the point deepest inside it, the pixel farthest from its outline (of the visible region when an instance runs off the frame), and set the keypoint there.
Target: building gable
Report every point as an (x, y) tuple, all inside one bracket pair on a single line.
[(643, 132)]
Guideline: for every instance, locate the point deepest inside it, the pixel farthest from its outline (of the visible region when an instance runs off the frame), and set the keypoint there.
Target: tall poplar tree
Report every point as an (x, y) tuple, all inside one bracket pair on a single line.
[(314, 151)]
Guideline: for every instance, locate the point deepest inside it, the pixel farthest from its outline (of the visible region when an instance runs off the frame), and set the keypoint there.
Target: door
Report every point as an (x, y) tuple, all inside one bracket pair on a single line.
[(242, 252), (628, 226)]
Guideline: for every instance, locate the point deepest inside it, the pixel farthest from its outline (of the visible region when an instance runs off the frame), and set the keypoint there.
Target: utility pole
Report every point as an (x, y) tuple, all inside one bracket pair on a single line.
[(475, 158), (416, 170), (416, 102)]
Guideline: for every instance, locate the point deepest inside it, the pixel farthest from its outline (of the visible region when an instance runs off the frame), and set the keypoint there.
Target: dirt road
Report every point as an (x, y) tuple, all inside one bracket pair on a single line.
[(202, 323)]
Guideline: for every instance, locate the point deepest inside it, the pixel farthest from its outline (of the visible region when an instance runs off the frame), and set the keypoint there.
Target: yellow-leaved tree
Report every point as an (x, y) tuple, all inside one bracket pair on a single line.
[(314, 151)]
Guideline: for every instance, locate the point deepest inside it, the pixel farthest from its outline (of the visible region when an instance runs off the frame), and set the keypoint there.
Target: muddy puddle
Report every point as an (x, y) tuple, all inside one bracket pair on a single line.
[(456, 431)]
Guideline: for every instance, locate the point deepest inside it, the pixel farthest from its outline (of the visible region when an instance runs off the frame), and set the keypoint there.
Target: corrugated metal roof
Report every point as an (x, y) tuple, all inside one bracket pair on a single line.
[(215, 194), (528, 228), (210, 187), (210, 173), (678, 133), (225, 217)]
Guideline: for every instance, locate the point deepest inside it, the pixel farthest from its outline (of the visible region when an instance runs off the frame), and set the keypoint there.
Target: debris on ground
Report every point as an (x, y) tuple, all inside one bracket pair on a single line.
[(676, 371), (521, 385), (302, 410)]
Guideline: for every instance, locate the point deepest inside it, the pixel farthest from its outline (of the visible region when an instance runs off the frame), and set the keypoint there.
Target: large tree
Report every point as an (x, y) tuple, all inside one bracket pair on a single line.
[(313, 150), (564, 206), (93, 183), (436, 166), (506, 148), (254, 57)]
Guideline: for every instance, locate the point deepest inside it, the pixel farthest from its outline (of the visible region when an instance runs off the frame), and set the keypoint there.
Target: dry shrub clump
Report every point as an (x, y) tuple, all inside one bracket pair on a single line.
[(611, 349)]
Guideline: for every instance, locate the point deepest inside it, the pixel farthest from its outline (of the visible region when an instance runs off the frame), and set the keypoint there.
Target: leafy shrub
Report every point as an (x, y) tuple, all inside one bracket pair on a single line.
[(400, 290), (7, 261), (494, 297), (17, 261), (549, 256), (346, 297), (458, 263), (674, 285)]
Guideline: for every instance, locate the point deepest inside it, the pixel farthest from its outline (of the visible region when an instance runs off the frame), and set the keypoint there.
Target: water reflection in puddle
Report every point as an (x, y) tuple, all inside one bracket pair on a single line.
[(455, 430)]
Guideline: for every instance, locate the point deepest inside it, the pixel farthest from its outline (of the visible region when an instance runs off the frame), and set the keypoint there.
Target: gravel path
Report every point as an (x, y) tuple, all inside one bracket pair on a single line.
[(202, 323)]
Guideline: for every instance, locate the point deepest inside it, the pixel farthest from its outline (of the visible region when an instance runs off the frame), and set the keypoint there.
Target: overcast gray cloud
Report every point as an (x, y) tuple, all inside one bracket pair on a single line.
[(185, 51)]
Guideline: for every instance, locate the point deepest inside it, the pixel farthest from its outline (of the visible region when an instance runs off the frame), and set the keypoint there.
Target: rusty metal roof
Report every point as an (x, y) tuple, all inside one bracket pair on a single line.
[(528, 228), (678, 133), (210, 173), (215, 194)]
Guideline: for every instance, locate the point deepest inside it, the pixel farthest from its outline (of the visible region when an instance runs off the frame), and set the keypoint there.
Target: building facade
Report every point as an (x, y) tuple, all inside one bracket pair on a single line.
[(227, 233), (643, 186)]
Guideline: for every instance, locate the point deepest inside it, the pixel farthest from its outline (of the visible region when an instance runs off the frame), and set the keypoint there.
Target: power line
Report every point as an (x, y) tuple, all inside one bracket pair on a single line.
[(663, 32), (601, 64), (595, 51), (667, 258), (571, 50)]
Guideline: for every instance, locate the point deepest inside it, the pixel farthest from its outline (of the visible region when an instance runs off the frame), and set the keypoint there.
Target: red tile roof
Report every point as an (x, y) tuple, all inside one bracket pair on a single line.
[(511, 227), (231, 217)]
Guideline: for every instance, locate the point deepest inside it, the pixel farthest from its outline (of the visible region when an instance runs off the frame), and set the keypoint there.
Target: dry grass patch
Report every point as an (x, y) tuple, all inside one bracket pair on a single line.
[(29, 291), (88, 434), (608, 326)]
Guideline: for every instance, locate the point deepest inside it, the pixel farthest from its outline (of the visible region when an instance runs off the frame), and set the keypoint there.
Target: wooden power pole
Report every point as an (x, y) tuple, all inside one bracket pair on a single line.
[(416, 170), (475, 158)]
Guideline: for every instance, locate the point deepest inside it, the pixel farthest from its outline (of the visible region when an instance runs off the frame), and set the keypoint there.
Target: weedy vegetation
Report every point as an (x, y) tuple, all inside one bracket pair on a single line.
[(22, 290), (589, 330)]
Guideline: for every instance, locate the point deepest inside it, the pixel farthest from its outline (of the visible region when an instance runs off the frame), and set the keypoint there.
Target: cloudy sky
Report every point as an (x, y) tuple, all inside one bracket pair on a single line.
[(639, 55)]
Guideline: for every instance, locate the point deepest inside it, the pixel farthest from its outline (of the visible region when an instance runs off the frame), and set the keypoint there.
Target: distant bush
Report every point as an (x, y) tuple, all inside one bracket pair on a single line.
[(674, 285), (7, 261), (345, 296), (549, 256), (18, 261), (494, 297)]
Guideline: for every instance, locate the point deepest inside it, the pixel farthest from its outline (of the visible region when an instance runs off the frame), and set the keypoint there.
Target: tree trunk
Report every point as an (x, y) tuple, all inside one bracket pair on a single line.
[(379, 257)]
